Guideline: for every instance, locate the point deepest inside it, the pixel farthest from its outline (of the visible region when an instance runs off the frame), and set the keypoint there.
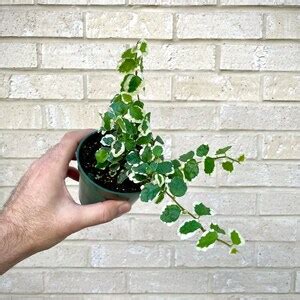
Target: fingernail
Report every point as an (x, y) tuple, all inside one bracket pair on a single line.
[(124, 208)]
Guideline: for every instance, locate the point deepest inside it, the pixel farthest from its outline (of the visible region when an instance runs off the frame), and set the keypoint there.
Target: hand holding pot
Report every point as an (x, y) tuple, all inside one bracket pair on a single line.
[(40, 212)]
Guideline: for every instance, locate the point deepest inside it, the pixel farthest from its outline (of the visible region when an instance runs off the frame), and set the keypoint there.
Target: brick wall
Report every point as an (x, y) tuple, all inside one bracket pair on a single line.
[(219, 71)]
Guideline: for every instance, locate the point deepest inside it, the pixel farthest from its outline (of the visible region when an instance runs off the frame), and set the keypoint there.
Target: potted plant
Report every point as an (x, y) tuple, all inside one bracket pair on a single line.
[(123, 159)]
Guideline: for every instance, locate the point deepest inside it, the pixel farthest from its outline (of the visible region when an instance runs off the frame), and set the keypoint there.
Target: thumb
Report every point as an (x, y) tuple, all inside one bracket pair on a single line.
[(102, 212)]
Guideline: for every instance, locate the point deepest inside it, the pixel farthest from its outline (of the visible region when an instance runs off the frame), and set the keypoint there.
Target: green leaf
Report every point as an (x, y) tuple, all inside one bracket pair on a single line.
[(209, 165), (107, 121), (146, 154), (176, 163), (241, 158), (101, 155), (233, 251), (140, 169), (142, 46), (121, 124), (177, 186), (188, 229), (216, 228), (202, 210), (157, 150), (236, 238), (117, 148), (127, 65), (185, 157), (131, 83), (160, 197), (126, 98), (227, 166), (149, 192), (128, 54), (122, 177), (165, 168), (136, 112), (119, 107), (170, 214), (223, 150), (191, 169), (159, 140), (144, 140), (202, 150), (107, 139), (207, 240), (133, 158)]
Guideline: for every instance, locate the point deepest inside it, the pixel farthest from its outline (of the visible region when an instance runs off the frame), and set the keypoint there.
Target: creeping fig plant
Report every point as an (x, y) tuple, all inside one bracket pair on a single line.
[(130, 150)]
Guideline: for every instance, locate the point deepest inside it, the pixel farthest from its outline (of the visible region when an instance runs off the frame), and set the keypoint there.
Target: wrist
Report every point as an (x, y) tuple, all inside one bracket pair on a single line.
[(15, 245)]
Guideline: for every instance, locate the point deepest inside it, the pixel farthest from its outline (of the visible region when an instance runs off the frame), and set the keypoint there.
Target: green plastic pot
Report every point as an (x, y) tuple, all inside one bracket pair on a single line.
[(90, 192)]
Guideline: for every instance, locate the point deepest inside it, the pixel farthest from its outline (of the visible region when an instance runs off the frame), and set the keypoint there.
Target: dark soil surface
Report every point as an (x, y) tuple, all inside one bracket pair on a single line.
[(101, 177)]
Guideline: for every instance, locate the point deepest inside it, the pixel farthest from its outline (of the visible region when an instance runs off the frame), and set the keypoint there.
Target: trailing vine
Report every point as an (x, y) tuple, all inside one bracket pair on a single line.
[(129, 150)]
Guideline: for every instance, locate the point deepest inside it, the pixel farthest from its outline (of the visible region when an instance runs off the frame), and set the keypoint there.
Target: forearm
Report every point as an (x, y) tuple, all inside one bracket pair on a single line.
[(13, 245)]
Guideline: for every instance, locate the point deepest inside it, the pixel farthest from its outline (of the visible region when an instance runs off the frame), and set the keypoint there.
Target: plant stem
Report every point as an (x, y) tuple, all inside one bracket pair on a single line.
[(195, 217)]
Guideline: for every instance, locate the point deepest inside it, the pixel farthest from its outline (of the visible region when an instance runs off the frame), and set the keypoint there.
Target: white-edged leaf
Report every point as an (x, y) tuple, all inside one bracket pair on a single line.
[(188, 229)]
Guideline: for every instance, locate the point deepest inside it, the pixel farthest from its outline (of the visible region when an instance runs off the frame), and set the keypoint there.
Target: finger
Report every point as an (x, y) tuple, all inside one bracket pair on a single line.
[(73, 173), (102, 212), (70, 142)]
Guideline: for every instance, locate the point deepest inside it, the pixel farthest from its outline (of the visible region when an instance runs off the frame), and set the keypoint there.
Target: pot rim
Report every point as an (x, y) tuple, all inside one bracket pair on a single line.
[(84, 173)]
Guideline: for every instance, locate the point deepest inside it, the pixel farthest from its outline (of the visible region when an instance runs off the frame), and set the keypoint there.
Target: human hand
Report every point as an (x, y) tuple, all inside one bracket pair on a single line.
[(41, 212)]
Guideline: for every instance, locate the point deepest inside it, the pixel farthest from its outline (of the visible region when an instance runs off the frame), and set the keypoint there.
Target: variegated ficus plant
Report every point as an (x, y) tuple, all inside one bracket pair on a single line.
[(130, 150)]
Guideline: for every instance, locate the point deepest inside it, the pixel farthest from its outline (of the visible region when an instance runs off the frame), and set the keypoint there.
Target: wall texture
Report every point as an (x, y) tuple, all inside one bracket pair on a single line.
[(219, 71)]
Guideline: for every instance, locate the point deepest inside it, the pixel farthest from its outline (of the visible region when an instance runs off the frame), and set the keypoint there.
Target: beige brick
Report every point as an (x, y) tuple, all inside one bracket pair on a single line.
[(279, 203), (245, 143), (279, 146), (81, 55), (186, 255), (15, 281), (219, 25), (157, 87), (12, 170), (64, 2), (4, 85), (41, 23), (262, 228), (16, 2), (37, 86), (92, 282), (73, 116), (181, 117), (283, 26), (24, 116), (297, 287), (251, 281), (277, 255), (223, 202), (205, 86), (262, 174), (150, 228), (118, 230), (281, 87), (257, 117), (262, 57), (180, 57), (130, 255), (259, 2), (15, 143), (82, 2), (150, 25), (18, 55), (62, 255), (161, 281), (173, 2)]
